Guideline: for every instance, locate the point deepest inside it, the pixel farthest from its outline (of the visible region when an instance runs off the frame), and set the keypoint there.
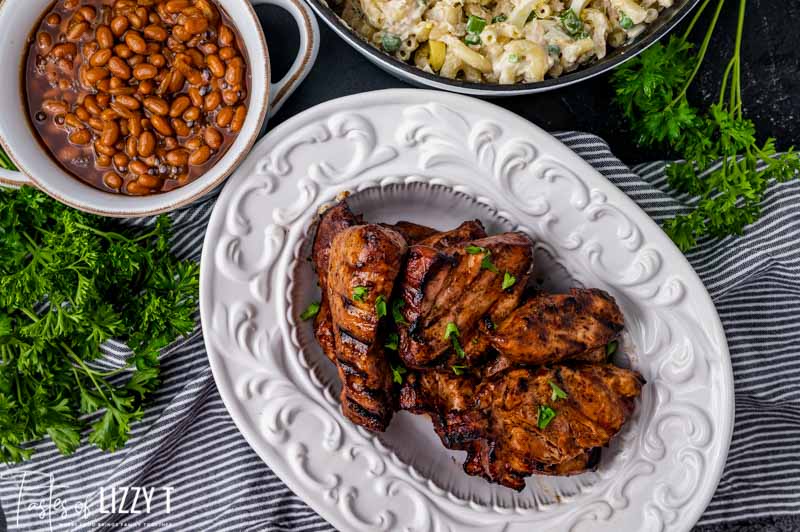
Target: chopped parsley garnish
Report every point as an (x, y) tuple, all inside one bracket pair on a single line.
[(499, 18), (457, 346), (392, 341), (487, 264), (513, 58), (390, 43), (475, 250), (558, 393), (458, 370), (397, 374), (572, 24), (452, 329), (475, 24), (625, 21), (380, 306), (359, 293), (310, 311), (397, 306), (611, 348), (451, 333), (508, 281), (553, 49), (546, 415)]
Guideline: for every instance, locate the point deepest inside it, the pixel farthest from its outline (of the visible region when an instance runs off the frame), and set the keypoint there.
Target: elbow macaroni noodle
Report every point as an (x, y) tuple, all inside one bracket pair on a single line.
[(500, 41)]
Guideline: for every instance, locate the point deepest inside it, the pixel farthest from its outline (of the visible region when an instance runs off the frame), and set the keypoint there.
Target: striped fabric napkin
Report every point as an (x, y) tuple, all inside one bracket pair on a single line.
[(202, 475)]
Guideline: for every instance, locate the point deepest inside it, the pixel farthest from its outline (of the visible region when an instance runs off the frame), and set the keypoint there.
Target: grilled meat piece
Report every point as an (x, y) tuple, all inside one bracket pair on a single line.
[(412, 232), (505, 417), (549, 328), (461, 284), (470, 230), (332, 222), (364, 262)]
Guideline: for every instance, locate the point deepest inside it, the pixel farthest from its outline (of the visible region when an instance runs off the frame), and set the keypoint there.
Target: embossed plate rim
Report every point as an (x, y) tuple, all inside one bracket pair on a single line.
[(546, 146)]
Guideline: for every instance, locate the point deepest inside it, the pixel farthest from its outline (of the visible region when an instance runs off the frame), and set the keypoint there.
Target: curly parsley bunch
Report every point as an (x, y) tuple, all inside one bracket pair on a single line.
[(69, 282)]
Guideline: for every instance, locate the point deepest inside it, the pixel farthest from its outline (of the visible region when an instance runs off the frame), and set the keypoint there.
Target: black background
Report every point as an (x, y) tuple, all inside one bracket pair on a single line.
[(771, 90)]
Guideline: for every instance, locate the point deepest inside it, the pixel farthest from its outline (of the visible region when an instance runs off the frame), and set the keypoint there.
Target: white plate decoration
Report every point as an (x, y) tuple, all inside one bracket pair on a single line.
[(438, 159)]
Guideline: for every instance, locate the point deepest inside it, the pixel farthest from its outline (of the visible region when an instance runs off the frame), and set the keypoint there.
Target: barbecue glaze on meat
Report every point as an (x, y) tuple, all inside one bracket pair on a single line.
[(515, 345), (453, 285)]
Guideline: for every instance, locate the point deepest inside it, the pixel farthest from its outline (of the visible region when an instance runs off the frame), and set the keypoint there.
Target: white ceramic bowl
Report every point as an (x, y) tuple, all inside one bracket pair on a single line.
[(18, 20)]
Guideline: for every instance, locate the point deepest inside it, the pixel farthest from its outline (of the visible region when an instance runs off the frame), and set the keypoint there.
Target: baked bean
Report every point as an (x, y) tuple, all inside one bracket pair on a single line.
[(135, 126), (88, 13), (135, 42), (200, 156), (119, 68), (230, 97), (225, 116), (119, 25), (96, 123), (138, 167), (70, 4), (72, 121), (156, 105), (238, 119), (213, 137), (104, 36), (55, 107), (129, 101), (110, 134), (102, 161), (82, 113), (80, 136), (103, 100), (65, 49), (155, 33), (180, 34), (146, 144), (180, 127), (112, 180), (135, 20), (44, 41), (136, 60), (121, 110), (53, 19), (195, 96), (146, 87), (109, 114), (225, 36), (95, 74), (191, 114), (193, 143), (178, 157), (157, 60), (208, 48), (149, 181), (131, 147), (121, 161), (135, 189), (123, 51), (176, 6), (176, 81), (196, 25), (233, 74), (161, 125), (77, 30), (179, 105), (215, 65), (100, 58), (227, 53), (212, 100), (197, 58), (144, 71), (104, 85)]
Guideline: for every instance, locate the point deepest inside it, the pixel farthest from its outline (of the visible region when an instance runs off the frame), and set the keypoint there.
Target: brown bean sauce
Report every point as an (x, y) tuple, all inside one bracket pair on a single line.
[(137, 97)]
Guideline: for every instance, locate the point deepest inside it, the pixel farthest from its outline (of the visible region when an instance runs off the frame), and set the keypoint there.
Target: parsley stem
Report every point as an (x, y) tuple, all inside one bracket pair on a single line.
[(701, 54), (87, 370), (695, 19), (737, 70)]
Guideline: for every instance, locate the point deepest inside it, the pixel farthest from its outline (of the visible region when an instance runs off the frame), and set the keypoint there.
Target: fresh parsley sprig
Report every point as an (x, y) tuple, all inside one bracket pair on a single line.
[(725, 167), (68, 282)]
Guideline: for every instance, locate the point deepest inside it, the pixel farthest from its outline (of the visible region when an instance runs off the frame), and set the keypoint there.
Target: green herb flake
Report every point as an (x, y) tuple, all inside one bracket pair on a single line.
[(625, 21), (546, 415), (508, 281), (553, 49), (397, 374), (457, 347), (359, 293), (487, 264), (475, 24), (572, 24), (458, 370), (611, 348), (513, 58), (472, 39), (499, 18), (558, 393), (450, 330), (311, 311), (380, 306), (392, 341), (397, 314)]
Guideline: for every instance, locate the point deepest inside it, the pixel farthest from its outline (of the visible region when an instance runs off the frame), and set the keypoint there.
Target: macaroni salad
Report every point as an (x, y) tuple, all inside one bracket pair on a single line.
[(499, 41)]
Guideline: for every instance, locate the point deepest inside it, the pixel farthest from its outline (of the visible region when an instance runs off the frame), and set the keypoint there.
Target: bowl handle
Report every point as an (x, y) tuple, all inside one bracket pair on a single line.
[(306, 56)]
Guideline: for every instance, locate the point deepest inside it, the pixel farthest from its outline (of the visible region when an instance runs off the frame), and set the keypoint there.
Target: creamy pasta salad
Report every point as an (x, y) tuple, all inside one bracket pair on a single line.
[(499, 41)]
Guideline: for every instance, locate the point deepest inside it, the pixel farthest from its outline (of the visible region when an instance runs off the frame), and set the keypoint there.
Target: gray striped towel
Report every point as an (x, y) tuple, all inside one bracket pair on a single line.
[(206, 475)]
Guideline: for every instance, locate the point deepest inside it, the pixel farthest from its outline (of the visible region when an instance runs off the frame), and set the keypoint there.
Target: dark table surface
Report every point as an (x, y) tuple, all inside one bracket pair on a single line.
[(771, 88)]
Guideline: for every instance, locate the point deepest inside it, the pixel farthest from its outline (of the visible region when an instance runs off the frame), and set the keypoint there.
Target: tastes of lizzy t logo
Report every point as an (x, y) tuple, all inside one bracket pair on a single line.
[(40, 498)]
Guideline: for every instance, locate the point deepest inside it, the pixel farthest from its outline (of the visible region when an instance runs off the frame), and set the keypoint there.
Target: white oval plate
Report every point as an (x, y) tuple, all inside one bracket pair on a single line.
[(438, 158)]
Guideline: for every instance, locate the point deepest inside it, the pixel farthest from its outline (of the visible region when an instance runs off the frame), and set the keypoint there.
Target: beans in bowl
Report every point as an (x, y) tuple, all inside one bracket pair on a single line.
[(137, 96)]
